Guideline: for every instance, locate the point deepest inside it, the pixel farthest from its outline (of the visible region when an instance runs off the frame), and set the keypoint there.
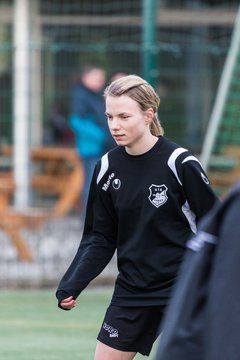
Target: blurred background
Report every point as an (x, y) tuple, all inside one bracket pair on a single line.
[(184, 48)]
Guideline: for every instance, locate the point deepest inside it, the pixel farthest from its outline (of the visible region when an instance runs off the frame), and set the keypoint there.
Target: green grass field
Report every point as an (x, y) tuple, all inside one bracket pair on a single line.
[(33, 328)]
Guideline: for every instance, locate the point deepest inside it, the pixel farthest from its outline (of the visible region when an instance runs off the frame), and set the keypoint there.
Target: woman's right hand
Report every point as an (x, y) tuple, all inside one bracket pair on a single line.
[(68, 303)]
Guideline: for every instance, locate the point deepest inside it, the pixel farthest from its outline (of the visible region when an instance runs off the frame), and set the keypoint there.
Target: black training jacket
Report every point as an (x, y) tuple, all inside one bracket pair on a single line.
[(145, 207), (203, 318)]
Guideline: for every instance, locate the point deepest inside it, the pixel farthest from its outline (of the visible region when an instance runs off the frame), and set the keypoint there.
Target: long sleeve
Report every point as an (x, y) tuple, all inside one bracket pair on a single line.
[(196, 186), (96, 249)]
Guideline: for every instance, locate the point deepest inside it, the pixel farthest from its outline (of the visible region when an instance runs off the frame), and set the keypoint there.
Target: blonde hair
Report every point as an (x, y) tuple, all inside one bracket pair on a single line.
[(140, 91)]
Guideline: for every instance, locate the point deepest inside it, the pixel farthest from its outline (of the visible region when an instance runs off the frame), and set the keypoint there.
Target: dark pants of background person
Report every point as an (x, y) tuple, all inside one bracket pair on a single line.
[(88, 165)]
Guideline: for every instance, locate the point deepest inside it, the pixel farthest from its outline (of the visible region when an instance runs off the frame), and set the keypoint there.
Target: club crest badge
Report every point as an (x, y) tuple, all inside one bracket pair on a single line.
[(158, 194)]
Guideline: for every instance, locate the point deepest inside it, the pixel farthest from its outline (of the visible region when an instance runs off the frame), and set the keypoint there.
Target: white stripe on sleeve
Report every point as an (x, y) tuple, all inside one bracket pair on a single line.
[(104, 167)]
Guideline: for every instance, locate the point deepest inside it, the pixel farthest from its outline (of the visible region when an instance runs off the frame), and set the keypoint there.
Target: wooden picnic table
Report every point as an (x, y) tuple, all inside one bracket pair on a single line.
[(59, 172), (7, 187)]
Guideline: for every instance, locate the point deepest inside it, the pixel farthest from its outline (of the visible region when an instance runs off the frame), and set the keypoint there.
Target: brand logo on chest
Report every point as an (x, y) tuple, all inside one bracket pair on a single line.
[(158, 194), (116, 183), (107, 183)]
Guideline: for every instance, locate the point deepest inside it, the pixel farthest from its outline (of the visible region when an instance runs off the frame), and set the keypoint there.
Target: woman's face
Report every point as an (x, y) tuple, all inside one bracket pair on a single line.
[(128, 124), (94, 79)]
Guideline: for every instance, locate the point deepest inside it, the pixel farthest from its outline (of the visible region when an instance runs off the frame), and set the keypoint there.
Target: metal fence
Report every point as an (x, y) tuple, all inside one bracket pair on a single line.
[(183, 54)]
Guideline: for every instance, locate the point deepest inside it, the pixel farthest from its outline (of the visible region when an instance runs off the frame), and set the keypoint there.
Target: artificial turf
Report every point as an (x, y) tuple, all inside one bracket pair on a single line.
[(32, 327)]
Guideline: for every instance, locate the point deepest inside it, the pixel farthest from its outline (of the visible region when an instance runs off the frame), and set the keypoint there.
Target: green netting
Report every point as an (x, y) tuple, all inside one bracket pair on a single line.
[(229, 129)]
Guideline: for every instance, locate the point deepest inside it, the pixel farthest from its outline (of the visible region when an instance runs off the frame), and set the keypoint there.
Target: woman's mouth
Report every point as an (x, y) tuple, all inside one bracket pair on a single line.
[(118, 137)]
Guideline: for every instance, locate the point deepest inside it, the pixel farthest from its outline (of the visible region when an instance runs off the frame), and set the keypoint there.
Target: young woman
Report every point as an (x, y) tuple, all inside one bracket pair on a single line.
[(145, 200)]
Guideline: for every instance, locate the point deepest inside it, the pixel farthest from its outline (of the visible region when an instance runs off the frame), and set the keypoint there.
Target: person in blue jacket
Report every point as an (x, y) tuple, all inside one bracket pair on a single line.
[(87, 120)]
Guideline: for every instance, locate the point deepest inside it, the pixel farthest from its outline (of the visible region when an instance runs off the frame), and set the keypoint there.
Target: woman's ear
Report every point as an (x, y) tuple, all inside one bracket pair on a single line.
[(149, 116)]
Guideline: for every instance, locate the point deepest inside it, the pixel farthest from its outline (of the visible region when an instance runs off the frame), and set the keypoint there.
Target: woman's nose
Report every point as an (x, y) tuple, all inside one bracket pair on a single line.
[(114, 124)]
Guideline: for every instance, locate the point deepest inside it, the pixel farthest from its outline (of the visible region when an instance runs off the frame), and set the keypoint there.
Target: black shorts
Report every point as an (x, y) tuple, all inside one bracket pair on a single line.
[(132, 329)]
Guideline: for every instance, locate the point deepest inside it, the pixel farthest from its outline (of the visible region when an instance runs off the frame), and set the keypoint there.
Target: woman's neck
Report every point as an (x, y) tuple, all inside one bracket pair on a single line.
[(142, 146)]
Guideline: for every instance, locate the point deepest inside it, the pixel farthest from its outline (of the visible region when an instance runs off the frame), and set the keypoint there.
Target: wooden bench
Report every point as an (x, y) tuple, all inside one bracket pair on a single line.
[(223, 177), (60, 173), (12, 222), (233, 150)]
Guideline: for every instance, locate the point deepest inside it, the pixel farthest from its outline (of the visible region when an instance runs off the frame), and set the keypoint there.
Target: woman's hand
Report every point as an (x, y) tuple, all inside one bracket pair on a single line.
[(68, 303)]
